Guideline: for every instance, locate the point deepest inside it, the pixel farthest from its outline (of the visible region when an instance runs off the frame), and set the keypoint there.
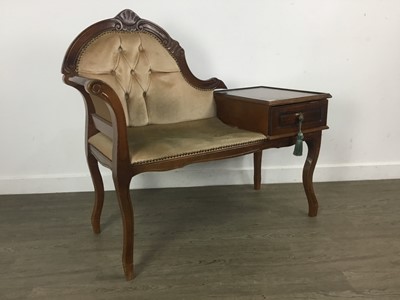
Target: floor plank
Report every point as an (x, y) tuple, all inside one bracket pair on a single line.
[(223, 242)]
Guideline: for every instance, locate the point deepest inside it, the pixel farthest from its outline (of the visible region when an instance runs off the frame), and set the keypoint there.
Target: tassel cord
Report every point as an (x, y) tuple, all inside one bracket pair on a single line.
[(298, 147)]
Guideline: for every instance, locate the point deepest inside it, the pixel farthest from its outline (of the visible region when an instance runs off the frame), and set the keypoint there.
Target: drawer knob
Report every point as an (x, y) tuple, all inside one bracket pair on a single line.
[(298, 147)]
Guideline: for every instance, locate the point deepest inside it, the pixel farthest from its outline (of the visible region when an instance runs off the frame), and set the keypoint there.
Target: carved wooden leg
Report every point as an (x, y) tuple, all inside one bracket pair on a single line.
[(125, 205), (314, 143), (98, 190), (257, 169)]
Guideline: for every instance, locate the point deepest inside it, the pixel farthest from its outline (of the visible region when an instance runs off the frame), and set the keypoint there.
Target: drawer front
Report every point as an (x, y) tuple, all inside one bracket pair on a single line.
[(284, 119)]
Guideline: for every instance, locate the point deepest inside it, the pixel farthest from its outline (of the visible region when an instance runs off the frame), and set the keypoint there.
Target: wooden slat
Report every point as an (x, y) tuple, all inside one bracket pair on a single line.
[(103, 126)]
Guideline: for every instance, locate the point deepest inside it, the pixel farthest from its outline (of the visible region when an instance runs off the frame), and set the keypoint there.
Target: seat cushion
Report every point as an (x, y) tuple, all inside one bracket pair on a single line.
[(153, 143)]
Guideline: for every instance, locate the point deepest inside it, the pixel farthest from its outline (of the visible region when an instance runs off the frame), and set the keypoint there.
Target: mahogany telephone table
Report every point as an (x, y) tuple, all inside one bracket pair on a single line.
[(286, 117)]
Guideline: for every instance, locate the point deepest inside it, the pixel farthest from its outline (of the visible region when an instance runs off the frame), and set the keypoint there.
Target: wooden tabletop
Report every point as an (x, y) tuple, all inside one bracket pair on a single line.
[(272, 94)]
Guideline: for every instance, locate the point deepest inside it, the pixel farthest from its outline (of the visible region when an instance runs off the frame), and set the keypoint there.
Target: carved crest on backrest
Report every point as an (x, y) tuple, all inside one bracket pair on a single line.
[(128, 17), (129, 21)]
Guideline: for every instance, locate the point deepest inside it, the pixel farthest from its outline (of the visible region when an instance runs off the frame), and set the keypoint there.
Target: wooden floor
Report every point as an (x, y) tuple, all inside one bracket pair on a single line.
[(226, 242)]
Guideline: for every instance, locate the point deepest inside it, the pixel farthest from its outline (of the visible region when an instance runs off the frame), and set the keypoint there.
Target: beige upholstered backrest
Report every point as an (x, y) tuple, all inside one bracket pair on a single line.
[(146, 78)]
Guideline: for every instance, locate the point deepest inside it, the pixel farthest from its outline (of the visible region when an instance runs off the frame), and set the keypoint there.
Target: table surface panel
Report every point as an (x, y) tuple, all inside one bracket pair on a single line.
[(270, 94)]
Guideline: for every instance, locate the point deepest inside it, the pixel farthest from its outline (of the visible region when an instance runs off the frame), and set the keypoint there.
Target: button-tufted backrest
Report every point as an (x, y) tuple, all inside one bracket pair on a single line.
[(146, 78), (146, 68)]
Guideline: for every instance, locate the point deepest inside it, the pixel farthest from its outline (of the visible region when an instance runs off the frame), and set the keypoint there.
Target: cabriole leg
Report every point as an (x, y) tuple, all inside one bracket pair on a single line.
[(125, 205), (98, 190), (314, 143), (257, 169)]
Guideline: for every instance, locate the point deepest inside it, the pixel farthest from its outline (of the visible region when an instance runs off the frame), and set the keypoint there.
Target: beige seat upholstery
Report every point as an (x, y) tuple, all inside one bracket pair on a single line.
[(154, 143), (146, 111), (152, 90)]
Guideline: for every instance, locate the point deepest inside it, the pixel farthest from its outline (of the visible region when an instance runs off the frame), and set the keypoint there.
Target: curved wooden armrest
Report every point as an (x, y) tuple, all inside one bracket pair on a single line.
[(75, 80), (117, 128)]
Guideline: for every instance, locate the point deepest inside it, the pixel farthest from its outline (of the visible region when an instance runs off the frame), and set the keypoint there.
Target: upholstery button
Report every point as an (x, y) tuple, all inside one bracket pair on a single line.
[(120, 49), (132, 72), (141, 48), (113, 72), (144, 94), (126, 96)]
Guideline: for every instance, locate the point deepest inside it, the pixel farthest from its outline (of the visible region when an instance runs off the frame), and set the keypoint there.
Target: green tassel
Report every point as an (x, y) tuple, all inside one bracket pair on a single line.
[(298, 147)]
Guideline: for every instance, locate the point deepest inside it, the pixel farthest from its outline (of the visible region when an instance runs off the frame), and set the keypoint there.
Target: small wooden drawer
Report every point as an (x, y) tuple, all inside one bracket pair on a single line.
[(284, 119)]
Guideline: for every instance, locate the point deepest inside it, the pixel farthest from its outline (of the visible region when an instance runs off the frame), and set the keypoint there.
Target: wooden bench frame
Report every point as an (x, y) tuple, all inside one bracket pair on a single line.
[(120, 164)]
